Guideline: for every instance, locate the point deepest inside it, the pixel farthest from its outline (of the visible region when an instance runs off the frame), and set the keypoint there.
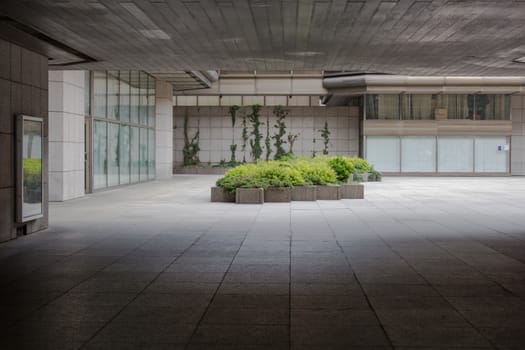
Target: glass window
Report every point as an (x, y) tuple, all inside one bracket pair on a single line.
[(490, 155), (143, 154), (124, 155), (383, 152), (151, 102), (113, 99), (113, 154), (492, 107), (99, 94), (151, 153), (143, 99), (455, 154), (382, 107), (99, 155), (134, 99), (416, 107), (456, 106), (134, 160), (124, 96), (418, 154)]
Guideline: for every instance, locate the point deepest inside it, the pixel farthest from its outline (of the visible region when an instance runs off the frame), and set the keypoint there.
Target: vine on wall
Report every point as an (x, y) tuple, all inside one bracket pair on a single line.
[(255, 143), (281, 114), (233, 146), (191, 147), (291, 140), (268, 139), (244, 136), (325, 134)]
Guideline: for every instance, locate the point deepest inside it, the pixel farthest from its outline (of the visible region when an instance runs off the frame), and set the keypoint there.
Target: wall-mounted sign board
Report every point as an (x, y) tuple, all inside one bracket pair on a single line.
[(29, 163)]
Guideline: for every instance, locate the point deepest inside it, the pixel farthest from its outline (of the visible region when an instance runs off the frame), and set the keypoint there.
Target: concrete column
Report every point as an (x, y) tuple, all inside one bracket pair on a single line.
[(517, 159), (164, 129), (23, 90), (66, 135)]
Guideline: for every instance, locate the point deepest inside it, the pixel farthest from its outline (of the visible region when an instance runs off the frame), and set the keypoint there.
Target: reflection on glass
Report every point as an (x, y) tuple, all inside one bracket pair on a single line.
[(490, 155), (99, 155), (143, 100), (32, 169), (124, 96), (382, 106), (151, 154), (124, 154), (143, 154), (134, 99), (99, 94), (151, 102), (113, 154), (416, 107), (113, 99), (135, 146), (492, 107)]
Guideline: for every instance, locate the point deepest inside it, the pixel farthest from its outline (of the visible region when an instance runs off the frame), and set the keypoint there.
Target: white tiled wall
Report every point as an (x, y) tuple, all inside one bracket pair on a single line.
[(214, 124), (517, 156)]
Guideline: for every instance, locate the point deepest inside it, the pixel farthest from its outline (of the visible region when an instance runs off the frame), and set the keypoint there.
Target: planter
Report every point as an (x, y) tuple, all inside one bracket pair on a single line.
[(280, 194), (328, 192), (219, 194), (200, 171), (249, 196), (304, 193), (352, 191), (364, 176)]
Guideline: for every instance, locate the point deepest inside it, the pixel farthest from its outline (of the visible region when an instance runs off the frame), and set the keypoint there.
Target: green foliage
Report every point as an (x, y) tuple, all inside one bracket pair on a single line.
[(233, 113), (325, 134), (342, 166), (32, 166), (244, 137), (360, 165), (281, 114), (374, 175), (233, 148), (191, 147), (267, 140), (291, 140), (358, 177), (255, 143), (315, 172)]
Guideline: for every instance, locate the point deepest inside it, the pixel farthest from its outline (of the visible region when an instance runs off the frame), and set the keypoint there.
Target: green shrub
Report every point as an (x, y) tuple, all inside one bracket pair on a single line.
[(374, 175), (358, 177), (360, 165), (342, 166), (315, 172)]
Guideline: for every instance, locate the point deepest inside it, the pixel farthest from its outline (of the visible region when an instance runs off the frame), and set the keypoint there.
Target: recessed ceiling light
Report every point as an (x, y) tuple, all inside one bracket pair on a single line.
[(519, 59)]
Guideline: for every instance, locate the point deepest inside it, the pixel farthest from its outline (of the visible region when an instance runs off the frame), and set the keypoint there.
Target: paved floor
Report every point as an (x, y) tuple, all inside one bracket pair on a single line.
[(422, 263)]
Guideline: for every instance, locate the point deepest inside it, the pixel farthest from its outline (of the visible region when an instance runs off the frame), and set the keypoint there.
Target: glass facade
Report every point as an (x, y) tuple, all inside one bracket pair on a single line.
[(437, 106), (442, 154), (123, 114)]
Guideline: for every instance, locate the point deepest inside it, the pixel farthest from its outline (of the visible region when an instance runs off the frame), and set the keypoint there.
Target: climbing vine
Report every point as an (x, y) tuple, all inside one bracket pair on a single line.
[(281, 114), (268, 139), (191, 147), (233, 146), (325, 134), (291, 140), (244, 136), (255, 143)]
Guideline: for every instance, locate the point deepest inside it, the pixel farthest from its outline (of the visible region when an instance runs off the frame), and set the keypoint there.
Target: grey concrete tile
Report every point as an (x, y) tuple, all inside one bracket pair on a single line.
[(267, 335), (319, 318), (247, 316), (436, 336), (351, 337)]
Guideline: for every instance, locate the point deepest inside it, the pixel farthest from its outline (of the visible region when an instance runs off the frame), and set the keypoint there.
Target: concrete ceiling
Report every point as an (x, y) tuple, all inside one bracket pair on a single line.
[(400, 37)]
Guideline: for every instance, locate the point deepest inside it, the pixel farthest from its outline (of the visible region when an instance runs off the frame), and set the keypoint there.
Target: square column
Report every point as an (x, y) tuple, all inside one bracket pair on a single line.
[(164, 130)]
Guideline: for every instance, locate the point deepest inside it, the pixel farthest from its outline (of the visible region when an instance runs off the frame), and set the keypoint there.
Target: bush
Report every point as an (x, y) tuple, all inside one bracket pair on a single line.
[(315, 172), (374, 175), (360, 165), (342, 166)]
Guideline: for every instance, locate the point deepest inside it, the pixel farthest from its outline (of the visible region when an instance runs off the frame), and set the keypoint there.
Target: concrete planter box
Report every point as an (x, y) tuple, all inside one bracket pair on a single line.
[(218, 194), (200, 171), (328, 192), (304, 193), (352, 191), (249, 196), (281, 194)]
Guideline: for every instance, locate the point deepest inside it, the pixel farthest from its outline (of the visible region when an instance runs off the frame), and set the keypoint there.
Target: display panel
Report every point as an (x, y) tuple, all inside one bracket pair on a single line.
[(30, 184)]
